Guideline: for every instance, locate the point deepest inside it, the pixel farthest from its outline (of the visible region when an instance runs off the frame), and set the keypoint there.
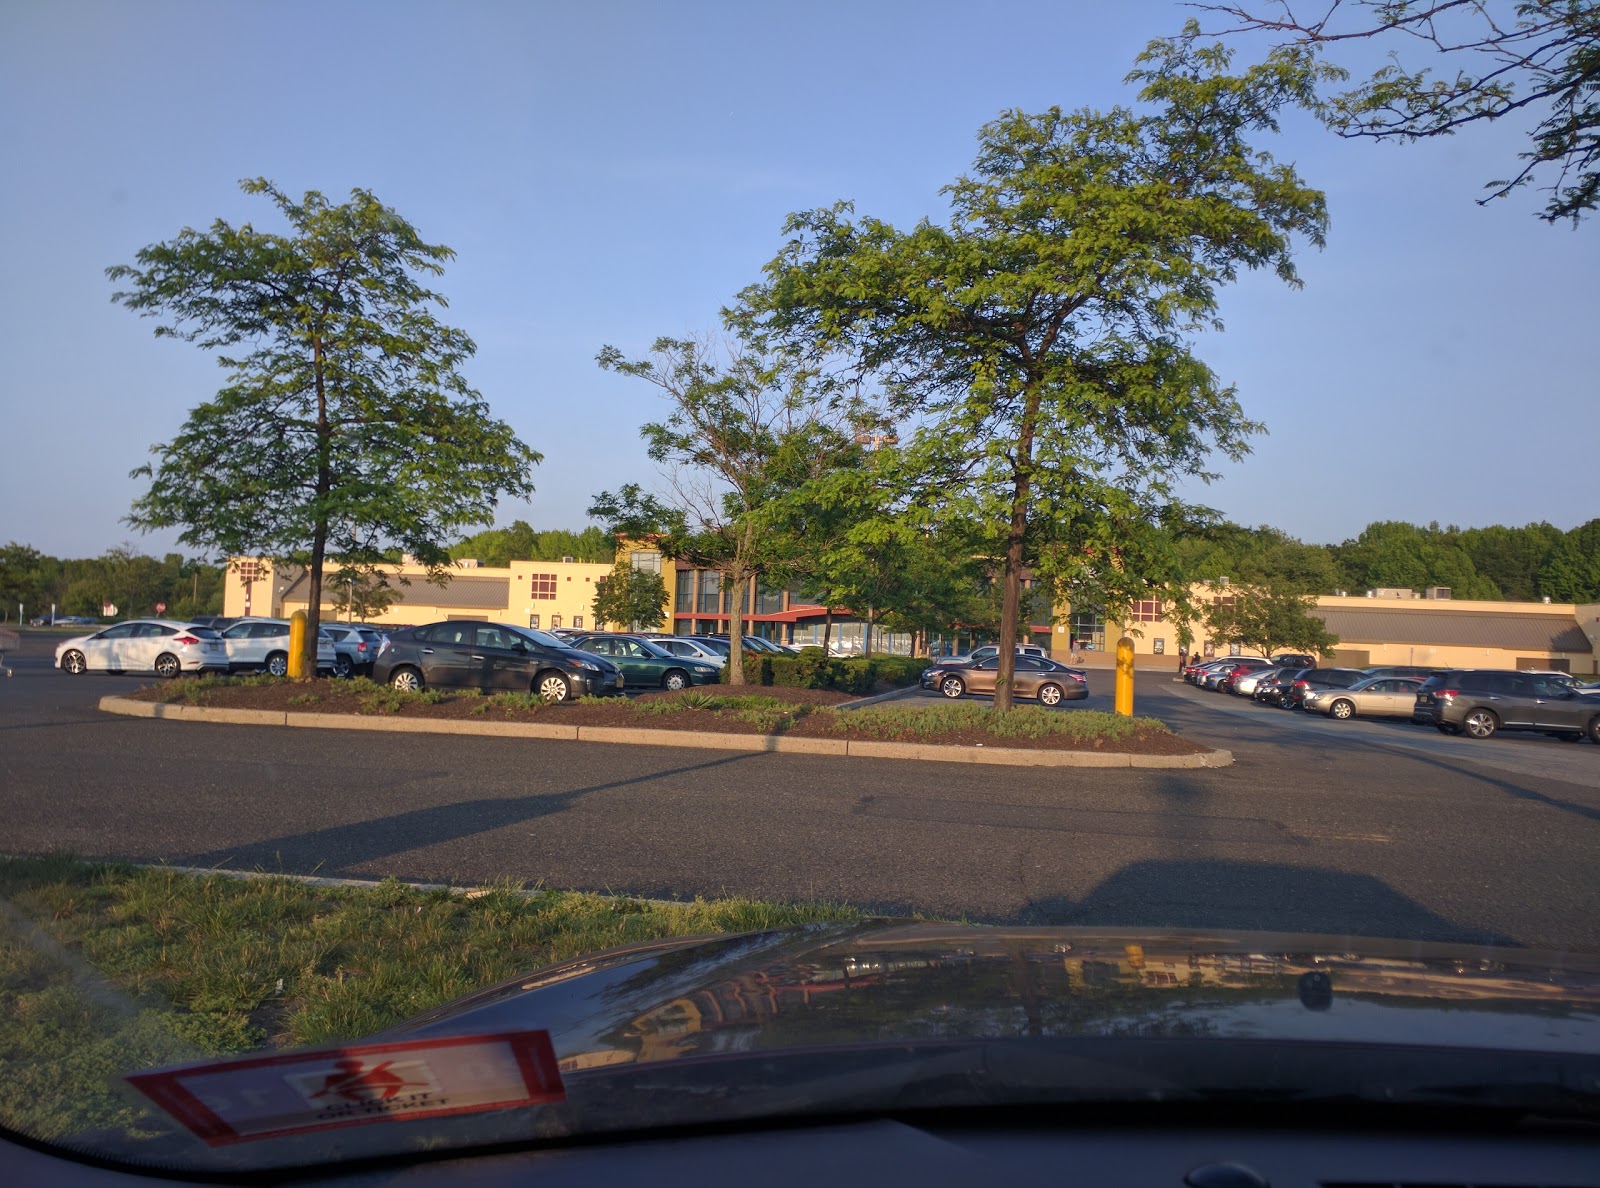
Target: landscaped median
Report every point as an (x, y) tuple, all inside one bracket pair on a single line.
[(776, 718)]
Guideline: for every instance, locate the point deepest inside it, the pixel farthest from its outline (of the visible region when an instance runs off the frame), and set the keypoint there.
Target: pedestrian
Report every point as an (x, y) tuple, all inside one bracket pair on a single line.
[(1183, 657), (1072, 648)]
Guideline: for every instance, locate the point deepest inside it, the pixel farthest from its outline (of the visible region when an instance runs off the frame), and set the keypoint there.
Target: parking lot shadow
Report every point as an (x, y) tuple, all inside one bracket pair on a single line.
[(342, 849), (1252, 896)]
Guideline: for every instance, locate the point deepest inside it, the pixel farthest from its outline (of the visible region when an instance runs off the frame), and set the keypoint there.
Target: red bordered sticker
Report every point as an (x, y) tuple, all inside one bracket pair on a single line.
[(237, 1101)]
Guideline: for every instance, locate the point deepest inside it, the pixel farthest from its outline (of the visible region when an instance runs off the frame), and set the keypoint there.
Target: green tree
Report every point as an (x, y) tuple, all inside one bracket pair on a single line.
[(499, 547), (345, 429), (1540, 56), (1510, 557), (1269, 619), (24, 578), (744, 429), (1039, 342), (1571, 573), (634, 599)]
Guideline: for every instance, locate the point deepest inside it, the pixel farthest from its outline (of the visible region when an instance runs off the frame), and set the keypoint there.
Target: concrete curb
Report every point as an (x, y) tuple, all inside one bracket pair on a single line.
[(700, 740)]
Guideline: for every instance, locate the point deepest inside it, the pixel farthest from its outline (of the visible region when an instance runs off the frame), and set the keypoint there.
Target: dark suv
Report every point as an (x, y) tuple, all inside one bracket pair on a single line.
[(1479, 702)]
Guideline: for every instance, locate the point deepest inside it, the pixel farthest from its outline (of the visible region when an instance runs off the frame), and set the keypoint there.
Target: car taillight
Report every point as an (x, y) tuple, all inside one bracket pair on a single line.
[(361, 647), (1446, 694), (185, 640), (1302, 684), (1079, 677)]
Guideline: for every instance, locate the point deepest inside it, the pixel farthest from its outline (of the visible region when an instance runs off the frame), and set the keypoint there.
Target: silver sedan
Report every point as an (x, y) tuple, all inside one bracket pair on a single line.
[(1375, 697)]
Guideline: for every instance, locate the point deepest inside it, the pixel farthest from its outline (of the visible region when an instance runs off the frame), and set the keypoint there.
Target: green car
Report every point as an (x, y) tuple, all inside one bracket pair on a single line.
[(645, 666)]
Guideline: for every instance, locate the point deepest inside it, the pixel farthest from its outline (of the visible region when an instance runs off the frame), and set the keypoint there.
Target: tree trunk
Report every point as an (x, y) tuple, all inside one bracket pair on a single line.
[(1011, 602), (866, 634), (827, 629), (741, 581), (319, 538)]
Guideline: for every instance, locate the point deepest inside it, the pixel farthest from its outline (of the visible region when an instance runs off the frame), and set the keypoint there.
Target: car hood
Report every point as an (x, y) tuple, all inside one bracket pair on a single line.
[(896, 982), (881, 1017)]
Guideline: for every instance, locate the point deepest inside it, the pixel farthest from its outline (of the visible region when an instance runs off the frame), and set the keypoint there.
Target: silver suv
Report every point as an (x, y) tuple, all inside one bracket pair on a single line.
[(256, 645)]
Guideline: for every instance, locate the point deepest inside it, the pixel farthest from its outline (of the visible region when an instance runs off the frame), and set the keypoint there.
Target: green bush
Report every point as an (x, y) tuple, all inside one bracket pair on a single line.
[(899, 670), (758, 668)]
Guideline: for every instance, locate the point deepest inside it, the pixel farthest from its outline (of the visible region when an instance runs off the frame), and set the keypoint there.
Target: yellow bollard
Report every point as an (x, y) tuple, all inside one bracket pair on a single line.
[(1124, 705), (297, 646)]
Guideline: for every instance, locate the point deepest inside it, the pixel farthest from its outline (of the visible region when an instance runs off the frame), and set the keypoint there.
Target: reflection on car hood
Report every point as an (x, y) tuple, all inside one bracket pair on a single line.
[(891, 981)]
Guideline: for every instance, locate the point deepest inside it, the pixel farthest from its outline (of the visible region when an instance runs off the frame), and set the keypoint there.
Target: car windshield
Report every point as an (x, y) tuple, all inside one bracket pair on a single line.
[(407, 403)]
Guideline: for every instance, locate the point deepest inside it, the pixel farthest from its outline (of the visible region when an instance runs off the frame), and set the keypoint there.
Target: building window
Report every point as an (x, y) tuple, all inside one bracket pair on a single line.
[(1147, 611), (543, 585), (768, 601), (710, 592), (1089, 629), (555, 620), (683, 592), (646, 559), (533, 620), (577, 620)]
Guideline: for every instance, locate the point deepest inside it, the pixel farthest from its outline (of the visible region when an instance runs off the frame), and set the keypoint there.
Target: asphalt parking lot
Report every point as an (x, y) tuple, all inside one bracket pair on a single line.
[(1346, 828)]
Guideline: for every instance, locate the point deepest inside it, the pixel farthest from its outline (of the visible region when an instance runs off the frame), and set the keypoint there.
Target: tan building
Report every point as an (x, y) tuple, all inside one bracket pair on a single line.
[(541, 594), (1392, 627)]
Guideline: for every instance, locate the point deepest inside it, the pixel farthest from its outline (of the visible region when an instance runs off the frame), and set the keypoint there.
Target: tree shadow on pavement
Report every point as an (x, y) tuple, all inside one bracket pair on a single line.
[(342, 849), (1252, 896)]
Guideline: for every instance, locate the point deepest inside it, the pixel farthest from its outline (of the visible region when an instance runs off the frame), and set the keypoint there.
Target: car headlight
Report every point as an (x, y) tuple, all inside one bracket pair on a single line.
[(592, 667)]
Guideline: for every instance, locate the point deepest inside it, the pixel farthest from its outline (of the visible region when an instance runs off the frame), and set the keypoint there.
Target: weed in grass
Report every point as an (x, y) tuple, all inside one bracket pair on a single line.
[(305, 699), (198, 690)]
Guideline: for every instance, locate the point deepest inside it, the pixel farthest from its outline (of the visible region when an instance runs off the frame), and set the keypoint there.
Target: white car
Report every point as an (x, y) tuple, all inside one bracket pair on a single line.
[(255, 645), (689, 649), (162, 646)]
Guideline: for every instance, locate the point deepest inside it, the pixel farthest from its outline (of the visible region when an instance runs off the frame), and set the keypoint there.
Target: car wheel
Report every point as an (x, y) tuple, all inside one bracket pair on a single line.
[(407, 680), (342, 666), (1050, 694), (278, 664), (952, 687), (552, 686), (74, 663), (1480, 723), (1342, 709), (1594, 730), (167, 666), (675, 680)]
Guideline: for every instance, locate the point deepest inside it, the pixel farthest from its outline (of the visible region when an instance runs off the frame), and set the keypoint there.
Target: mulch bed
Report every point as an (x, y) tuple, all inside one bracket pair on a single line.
[(339, 697)]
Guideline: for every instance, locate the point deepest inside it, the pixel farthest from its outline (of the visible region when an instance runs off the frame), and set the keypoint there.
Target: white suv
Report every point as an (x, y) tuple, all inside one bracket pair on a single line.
[(263, 644)]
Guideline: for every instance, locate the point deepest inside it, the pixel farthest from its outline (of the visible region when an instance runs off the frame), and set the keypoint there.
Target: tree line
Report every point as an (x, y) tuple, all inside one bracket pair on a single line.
[(122, 577), (1523, 564)]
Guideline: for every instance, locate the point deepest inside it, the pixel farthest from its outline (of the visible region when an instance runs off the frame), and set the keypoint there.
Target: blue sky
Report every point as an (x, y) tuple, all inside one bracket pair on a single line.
[(612, 171)]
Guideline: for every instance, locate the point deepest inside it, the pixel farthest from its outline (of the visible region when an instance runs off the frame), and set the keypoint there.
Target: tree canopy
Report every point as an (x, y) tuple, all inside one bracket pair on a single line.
[(345, 428), (1038, 343), (633, 599), (744, 430), (499, 547), (1509, 56)]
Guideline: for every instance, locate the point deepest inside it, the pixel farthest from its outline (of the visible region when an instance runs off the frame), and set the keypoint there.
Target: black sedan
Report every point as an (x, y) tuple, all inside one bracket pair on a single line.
[(494, 657)]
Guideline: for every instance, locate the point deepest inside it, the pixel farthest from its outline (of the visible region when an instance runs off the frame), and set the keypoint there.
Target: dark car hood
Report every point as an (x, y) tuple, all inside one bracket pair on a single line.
[(883, 1017), (895, 981)]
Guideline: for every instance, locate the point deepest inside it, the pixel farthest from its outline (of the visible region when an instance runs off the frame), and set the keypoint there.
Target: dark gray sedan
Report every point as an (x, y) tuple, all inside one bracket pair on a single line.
[(494, 657)]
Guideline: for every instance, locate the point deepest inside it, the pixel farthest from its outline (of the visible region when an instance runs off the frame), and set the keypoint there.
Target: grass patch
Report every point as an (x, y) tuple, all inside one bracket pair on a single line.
[(765, 713), (910, 722), (181, 967), (510, 703), (198, 690), (383, 699)]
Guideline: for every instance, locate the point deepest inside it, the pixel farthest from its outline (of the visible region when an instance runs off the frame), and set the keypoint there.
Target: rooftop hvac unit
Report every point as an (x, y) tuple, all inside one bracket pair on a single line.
[(1436, 592), (468, 563), (568, 560)]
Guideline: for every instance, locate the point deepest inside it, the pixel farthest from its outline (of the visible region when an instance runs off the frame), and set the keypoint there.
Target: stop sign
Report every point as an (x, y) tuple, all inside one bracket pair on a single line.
[(161, 608)]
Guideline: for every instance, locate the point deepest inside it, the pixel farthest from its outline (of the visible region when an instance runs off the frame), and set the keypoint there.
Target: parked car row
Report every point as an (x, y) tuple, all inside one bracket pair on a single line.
[(171, 647), (1476, 702)]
